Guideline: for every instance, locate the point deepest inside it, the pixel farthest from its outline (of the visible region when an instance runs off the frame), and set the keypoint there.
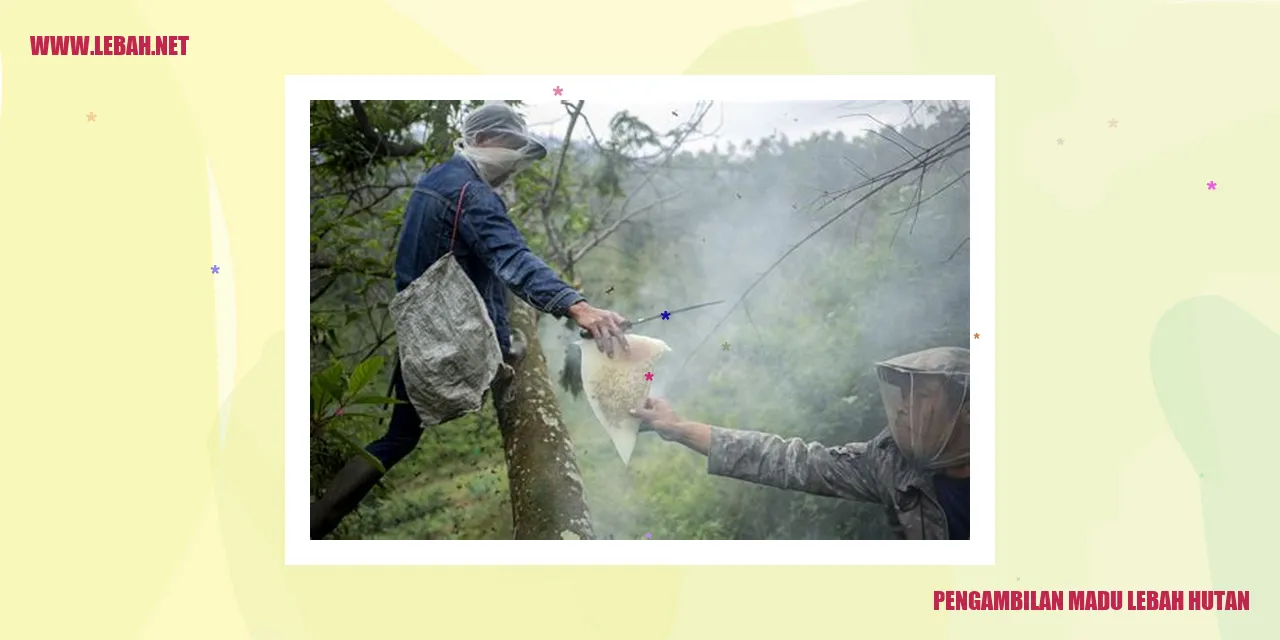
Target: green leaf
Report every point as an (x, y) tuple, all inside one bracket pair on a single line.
[(363, 374), (319, 398), (377, 464), (373, 400), (330, 380)]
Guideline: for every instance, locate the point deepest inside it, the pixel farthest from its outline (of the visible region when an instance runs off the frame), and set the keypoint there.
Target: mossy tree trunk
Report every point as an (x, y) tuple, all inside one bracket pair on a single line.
[(547, 499)]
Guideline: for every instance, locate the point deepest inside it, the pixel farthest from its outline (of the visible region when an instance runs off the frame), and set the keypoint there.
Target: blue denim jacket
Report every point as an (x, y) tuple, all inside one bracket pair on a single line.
[(489, 247)]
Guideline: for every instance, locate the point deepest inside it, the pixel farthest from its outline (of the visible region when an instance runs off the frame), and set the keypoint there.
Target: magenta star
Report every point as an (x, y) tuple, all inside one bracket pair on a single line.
[(1212, 185), (557, 90), (649, 376)]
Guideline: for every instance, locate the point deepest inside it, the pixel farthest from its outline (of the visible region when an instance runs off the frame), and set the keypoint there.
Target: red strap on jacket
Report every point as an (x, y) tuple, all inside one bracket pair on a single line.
[(457, 216)]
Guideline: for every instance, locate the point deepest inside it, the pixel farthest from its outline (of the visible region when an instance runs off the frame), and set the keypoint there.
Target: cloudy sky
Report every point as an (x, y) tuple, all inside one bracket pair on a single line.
[(737, 122)]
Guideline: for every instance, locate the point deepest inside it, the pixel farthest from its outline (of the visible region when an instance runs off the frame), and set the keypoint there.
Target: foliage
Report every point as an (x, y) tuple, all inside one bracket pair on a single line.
[(335, 391)]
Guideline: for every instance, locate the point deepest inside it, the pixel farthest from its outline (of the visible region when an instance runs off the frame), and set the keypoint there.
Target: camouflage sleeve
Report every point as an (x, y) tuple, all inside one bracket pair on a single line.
[(763, 458)]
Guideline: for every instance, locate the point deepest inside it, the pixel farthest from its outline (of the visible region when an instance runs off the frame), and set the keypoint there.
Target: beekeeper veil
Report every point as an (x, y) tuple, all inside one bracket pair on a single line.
[(926, 397), (497, 143)]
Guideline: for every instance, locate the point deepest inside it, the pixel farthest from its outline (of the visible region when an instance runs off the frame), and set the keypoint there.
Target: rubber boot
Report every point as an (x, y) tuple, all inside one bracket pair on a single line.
[(343, 495)]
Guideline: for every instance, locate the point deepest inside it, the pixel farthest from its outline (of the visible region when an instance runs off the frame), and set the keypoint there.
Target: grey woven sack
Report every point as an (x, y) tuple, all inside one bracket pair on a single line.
[(448, 347)]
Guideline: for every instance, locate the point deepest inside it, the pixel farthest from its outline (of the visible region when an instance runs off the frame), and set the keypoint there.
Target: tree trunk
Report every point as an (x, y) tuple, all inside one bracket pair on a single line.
[(547, 500)]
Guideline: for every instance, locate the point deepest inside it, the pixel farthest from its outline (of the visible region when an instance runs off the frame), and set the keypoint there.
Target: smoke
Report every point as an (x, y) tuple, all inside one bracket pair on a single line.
[(796, 357)]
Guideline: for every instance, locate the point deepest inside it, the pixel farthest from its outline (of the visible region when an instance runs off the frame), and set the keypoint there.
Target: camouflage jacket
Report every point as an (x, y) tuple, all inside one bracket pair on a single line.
[(872, 471)]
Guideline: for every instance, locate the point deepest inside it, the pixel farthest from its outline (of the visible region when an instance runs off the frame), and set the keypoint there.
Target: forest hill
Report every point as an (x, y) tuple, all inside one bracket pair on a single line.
[(1091, 600)]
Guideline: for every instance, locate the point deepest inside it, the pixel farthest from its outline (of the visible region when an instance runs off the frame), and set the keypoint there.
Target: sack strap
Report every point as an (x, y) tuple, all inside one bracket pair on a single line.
[(457, 216)]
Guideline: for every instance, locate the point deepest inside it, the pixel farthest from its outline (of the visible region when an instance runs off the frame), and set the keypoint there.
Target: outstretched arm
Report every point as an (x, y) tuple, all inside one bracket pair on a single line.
[(764, 458), (494, 238)]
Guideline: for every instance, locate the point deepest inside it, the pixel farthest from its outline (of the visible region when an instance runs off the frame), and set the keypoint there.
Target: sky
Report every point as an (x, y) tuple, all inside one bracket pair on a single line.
[(737, 122)]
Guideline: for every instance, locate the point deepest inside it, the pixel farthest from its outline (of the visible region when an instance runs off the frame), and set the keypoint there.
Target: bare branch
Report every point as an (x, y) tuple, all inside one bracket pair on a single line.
[(550, 197), (590, 130), (576, 256), (885, 126), (917, 201), (957, 249), (951, 146)]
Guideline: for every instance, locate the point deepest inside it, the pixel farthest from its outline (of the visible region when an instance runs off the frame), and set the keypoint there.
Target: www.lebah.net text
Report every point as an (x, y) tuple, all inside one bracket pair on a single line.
[(109, 45)]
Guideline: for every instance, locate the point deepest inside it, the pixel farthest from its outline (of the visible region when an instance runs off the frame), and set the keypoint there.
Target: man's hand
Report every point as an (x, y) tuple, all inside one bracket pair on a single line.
[(606, 327), (657, 415)]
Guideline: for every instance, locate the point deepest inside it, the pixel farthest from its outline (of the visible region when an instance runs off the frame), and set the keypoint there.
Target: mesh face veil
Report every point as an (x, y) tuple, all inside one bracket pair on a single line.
[(496, 141), (926, 398)]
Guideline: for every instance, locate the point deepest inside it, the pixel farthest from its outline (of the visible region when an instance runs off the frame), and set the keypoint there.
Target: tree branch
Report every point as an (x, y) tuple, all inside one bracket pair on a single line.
[(953, 145), (332, 279), (957, 249), (549, 199), (318, 264), (577, 255), (383, 147)]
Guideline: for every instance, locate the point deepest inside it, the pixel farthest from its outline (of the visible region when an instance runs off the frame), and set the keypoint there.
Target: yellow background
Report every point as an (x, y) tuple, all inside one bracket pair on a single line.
[(1136, 428)]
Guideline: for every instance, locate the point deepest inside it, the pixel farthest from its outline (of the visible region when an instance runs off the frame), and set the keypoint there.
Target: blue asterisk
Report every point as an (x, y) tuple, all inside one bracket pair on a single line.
[(666, 315), (215, 268)]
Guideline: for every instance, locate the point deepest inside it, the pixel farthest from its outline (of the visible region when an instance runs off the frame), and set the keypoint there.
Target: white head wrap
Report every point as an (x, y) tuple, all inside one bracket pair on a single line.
[(497, 143)]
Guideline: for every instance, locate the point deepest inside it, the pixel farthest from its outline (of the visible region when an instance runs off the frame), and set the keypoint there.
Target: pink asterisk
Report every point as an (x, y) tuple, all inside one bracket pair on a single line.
[(1212, 185), (557, 90), (338, 412), (649, 376)]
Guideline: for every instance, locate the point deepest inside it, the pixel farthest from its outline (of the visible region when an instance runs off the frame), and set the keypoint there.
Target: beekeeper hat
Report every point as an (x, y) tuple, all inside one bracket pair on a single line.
[(925, 395)]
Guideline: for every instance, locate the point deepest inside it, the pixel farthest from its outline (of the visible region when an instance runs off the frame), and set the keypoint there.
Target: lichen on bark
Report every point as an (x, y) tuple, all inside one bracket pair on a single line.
[(547, 497)]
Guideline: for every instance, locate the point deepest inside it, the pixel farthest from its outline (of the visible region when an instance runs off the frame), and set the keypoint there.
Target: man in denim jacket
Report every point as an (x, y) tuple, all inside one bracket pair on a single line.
[(495, 145)]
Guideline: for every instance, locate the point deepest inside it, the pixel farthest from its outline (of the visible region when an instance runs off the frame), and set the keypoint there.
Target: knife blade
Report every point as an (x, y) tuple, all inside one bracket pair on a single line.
[(626, 326)]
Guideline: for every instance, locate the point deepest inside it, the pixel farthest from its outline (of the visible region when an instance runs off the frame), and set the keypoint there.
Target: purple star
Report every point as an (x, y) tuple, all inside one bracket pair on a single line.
[(1212, 185), (666, 315), (648, 536), (215, 268)]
